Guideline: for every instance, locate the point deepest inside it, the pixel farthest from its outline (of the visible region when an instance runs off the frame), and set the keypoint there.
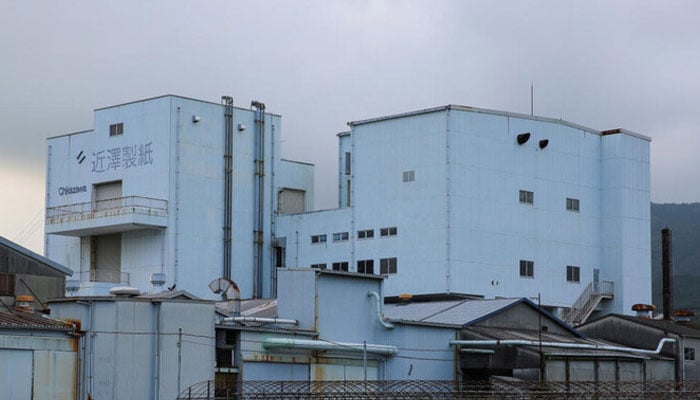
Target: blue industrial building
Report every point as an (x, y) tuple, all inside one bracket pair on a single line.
[(172, 191)]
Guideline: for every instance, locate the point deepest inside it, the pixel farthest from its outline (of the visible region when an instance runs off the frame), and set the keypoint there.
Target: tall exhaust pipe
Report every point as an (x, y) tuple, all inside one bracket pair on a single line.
[(666, 266)]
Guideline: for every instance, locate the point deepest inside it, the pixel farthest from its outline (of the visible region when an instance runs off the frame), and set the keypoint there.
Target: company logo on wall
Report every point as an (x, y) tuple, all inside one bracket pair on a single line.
[(122, 157), (64, 190)]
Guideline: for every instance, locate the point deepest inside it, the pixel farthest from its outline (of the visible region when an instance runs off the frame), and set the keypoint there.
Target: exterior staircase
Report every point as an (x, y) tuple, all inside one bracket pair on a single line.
[(588, 301)]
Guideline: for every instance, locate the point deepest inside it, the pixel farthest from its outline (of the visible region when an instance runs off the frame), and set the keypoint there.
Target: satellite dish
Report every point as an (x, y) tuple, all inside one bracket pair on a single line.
[(227, 288)]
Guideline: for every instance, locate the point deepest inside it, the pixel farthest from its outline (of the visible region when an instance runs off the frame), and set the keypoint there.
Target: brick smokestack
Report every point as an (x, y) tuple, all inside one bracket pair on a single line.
[(666, 267)]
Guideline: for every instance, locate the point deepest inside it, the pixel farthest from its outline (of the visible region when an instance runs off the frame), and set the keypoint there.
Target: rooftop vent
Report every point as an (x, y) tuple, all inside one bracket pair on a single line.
[(23, 302), (683, 316), (644, 310)]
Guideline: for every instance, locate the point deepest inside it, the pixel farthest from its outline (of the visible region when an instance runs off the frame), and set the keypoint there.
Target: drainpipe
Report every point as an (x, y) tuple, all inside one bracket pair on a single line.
[(378, 301), (518, 342), (385, 350), (258, 237), (228, 183), (156, 374)]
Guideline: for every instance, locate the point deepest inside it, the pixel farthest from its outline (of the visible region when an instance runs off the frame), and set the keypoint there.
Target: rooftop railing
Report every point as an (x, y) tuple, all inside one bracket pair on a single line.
[(121, 278)]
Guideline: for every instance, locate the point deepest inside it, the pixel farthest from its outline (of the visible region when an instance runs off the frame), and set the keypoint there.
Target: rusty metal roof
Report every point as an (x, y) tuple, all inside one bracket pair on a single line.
[(28, 320)]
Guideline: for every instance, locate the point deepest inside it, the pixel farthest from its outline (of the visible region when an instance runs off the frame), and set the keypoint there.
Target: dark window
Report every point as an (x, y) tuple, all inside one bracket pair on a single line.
[(116, 129), (224, 358), (527, 269), (318, 266), (366, 234), (348, 161), (527, 197), (572, 204), (392, 231), (340, 236), (387, 265), (573, 274), (7, 284), (279, 257), (340, 266), (365, 266), (409, 176), (689, 353), (319, 238)]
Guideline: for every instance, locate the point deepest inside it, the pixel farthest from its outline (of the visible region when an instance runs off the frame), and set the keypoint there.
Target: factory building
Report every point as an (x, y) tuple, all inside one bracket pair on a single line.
[(449, 200), (170, 192), (470, 201)]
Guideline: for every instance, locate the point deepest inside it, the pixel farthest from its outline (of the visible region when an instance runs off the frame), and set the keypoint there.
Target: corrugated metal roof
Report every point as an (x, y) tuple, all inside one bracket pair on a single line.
[(453, 313), (41, 259), (25, 320), (682, 329)]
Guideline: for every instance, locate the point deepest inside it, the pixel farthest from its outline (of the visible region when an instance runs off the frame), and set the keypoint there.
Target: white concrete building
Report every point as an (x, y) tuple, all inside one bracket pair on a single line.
[(170, 191), (451, 199), (463, 200)]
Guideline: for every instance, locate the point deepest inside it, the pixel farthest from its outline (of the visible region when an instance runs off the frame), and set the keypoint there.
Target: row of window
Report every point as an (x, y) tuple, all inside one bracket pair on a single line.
[(527, 270), (363, 234), (528, 197), (386, 266)]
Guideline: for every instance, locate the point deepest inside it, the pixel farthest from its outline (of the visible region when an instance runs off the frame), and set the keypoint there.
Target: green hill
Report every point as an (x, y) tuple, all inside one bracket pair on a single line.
[(684, 222)]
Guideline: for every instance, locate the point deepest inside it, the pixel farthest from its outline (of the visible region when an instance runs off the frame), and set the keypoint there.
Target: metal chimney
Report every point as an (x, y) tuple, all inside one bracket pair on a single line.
[(666, 267)]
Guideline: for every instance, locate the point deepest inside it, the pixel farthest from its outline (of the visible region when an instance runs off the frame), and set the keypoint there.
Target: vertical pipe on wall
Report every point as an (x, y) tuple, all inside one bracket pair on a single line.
[(258, 238), (273, 214), (666, 266), (176, 261), (228, 183)]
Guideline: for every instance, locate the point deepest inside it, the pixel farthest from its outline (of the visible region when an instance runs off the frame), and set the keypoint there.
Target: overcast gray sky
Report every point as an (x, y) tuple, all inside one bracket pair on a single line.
[(602, 64)]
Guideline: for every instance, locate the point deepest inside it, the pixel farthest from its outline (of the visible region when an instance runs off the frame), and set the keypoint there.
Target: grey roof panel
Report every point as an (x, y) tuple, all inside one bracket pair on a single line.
[(28, 253)]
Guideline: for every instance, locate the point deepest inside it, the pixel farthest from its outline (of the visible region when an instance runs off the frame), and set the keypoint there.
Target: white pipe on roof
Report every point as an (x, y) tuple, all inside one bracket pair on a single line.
[(518, 342), (262, 320), (378, 301), (386, 350)]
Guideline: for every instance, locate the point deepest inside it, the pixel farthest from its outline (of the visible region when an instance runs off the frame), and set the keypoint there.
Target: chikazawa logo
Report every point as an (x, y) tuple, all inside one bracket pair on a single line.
[(71, 189)]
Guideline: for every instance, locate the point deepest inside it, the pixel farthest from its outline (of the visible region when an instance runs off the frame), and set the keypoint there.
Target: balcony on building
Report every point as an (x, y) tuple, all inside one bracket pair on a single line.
[(106, 216)]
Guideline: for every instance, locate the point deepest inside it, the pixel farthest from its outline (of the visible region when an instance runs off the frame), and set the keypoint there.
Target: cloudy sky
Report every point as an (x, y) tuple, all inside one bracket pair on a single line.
[(602, 64)]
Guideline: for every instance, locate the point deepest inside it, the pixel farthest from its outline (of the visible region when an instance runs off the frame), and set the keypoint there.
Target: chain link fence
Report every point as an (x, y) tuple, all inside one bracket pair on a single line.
[(399, 390)]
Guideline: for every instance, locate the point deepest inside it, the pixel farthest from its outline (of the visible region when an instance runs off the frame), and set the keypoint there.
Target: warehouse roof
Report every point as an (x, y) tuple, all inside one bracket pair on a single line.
[(12, 319), (34, 256)]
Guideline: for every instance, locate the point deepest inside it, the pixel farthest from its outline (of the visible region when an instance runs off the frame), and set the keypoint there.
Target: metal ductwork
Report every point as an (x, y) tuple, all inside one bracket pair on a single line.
[(322, 345), (562, 345)]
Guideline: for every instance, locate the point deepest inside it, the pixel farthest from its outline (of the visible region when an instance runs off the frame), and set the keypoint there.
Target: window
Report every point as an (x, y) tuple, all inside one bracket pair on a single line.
[(340, 236), (116, 129), (340, 266), (527, 269), (366, 234), (7, 284), (348, 161), (409, 176), (527, 197), (571, 204), (387, 265), (573, 274), (689, 353), (365, 266), (318, 239), (318, 266), (388, 231)]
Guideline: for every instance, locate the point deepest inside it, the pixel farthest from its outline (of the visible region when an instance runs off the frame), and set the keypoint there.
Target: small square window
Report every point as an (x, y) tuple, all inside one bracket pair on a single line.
[(116, 129), (340, 266), (365, 266), (319, 239), (409, 176), (348, 161), (387, 265), (689, 353), (391, 231), (366, 234), (340, 236), (527, 197), (572, 204), (318, 266), (527, 269), (573, 274)]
